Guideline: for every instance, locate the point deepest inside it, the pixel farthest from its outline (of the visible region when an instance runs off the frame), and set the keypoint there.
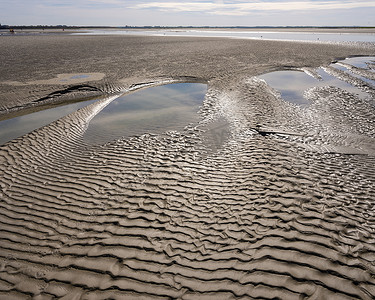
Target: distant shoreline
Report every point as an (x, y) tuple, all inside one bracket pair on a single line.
[(7, 30), (179, 27)]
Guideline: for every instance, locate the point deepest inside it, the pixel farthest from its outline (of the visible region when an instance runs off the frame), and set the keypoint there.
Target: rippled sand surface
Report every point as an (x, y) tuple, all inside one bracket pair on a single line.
[(259, 199)]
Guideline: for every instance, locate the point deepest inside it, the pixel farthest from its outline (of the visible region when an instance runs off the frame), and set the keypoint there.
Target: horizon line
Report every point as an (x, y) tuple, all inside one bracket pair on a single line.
[(6, 26)]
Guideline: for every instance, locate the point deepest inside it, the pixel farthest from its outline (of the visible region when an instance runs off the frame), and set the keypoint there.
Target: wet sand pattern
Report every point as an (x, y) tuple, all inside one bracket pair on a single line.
[(282, 209), (152, 110)]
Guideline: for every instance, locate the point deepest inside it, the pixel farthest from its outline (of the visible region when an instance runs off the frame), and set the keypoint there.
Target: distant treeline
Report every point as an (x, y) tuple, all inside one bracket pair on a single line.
[(166, 27), (47, 27)]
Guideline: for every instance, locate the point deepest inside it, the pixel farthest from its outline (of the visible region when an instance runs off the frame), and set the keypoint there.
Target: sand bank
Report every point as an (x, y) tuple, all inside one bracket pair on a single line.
[(126, 60), (282, 206)]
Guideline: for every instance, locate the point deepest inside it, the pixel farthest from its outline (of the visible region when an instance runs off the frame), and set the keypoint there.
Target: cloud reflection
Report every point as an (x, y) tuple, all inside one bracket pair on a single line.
[(16, 127), (151, 110)]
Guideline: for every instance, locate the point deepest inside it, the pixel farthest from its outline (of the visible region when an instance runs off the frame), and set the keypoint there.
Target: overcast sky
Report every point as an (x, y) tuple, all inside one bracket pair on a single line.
[(190, 12)]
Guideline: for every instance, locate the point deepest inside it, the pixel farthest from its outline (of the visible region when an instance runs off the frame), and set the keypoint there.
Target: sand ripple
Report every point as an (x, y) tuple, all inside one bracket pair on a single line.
[(281, 208)]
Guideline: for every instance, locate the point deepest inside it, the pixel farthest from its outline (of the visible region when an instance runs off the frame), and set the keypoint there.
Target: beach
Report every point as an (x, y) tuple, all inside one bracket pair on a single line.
[(258, 199), (127, 60)]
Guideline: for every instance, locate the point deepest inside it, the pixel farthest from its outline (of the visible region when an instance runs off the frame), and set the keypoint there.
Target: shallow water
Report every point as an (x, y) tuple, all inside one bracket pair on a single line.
[(295, 36), (80, 76), (152, 110), (366, 64), (292, 84), (329, 80), (360, 62), (18, 126)]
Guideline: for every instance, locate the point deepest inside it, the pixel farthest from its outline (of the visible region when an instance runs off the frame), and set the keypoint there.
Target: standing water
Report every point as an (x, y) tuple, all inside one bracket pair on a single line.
[(244, 34), (151, 110), (292, 84), (18, 126)]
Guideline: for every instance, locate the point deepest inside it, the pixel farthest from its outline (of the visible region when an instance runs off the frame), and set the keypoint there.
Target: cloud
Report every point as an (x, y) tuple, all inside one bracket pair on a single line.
[(244, 8), (188, 12)]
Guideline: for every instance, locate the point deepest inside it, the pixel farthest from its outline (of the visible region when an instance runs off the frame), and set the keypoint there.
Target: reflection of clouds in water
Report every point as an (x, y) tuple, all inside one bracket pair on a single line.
[(79, 76), (364, 63), (167, 106), (359, 62), (293, 84), (16, 127), (162, 96), (333, 81), (151, 110), (183, 94), (140, 116)]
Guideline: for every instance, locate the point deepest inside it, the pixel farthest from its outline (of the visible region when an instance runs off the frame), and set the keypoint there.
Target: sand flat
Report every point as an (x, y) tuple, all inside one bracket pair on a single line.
[(282, 206)]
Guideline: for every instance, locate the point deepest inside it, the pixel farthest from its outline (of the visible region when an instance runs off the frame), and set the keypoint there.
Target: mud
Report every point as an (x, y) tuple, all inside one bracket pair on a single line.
[(260, 198)]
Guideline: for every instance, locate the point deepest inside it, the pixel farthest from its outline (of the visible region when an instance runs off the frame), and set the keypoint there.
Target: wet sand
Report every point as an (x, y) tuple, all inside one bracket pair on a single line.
[(279, 204), (27, 61)]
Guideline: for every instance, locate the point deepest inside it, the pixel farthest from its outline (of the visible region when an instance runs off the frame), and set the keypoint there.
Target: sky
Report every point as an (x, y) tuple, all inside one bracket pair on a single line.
[(188, 13)]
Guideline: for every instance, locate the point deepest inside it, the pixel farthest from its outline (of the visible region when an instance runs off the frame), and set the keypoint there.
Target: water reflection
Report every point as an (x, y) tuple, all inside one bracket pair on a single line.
[(18, 126), (361, 62), (293, 84), (329, 80), (366, 64), (271, 35), (151, 110), (79, 76)]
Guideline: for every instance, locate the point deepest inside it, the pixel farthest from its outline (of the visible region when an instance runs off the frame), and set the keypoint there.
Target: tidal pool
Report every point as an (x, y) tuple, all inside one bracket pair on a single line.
[(361, 62), (329, 80), (366, 64), (151, 110), (18, 126), (79, 76), (292, 84)]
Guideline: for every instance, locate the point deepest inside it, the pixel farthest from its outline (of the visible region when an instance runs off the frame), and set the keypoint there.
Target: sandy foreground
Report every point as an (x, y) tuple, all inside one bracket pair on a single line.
[(259, 199)]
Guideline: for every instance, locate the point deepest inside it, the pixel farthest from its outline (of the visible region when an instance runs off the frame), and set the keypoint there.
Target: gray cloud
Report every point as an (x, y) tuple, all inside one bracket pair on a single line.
[(190, 12), (244, 8)]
